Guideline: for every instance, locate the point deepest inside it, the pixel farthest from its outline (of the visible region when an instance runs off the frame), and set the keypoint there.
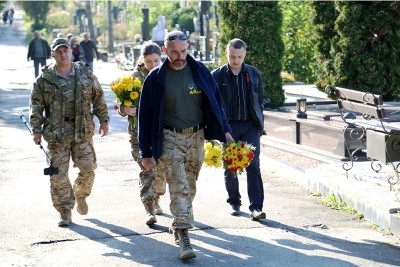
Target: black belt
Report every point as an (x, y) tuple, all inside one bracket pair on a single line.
[(190, 130), (69, 119)]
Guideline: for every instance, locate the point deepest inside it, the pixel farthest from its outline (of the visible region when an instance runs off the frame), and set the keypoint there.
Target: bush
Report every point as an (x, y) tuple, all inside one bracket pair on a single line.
[(363, 48), (297, 35)]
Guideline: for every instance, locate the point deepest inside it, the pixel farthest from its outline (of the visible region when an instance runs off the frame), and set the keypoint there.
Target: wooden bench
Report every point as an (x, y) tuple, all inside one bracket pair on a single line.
[(372, 125)]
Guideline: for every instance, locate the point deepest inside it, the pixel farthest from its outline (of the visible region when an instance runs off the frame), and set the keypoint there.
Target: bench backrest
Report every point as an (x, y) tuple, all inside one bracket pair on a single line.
[(362, 102)]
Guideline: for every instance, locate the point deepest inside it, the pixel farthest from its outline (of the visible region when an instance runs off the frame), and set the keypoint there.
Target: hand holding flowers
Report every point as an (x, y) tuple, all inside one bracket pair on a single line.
[(127, 91), (234, 155)]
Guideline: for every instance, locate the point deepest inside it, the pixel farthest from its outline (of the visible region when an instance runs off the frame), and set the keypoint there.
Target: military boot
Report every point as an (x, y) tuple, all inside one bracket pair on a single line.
[(186, 252), (157, 208), (150, 217), (82, 205), (175, 233), (65, 218)]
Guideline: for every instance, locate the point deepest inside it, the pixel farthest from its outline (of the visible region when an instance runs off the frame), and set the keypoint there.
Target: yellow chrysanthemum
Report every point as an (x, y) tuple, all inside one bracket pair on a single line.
[(134, 95), (127, 103)]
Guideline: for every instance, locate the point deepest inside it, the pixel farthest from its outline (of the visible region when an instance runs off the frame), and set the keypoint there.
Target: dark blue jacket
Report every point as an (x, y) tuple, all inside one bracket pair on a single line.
[(221, 76), (152, 108)]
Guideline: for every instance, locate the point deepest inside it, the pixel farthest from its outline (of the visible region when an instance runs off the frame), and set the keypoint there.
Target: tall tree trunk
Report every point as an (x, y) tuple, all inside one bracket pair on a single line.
[(110, 28), (90, 20)]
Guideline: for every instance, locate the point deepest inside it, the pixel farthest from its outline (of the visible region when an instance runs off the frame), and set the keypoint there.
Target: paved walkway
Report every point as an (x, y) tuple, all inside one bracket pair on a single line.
[(298, 231)]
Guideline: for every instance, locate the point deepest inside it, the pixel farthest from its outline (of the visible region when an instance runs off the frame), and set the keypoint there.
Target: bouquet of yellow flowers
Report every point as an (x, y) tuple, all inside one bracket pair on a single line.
[(213, 154), (127, 90), (235, 155)]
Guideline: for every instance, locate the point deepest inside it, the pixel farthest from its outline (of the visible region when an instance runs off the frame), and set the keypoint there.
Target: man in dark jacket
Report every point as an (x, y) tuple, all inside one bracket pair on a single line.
[(90, 49), (39, 50), (180, 107), (242, 93)]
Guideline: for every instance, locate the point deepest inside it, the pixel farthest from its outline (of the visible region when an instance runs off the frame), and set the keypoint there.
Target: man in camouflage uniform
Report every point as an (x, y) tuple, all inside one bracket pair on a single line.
[(180, 106), (62, 104)]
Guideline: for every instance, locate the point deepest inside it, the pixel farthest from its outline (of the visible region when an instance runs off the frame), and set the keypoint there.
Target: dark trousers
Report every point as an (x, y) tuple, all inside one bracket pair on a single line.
[(36, 62), (248, 132)]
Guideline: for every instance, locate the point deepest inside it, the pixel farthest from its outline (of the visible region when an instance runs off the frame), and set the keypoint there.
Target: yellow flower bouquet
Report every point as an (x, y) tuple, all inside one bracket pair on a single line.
[(127, 90), (213, 154), (235, 155)]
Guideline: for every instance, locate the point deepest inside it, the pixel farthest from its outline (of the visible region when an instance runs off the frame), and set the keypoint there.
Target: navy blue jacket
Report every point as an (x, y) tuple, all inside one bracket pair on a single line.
[(152, 108)]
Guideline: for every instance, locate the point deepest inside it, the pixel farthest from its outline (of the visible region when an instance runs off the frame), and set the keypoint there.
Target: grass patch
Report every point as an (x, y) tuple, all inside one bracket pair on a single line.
[(338, 204)]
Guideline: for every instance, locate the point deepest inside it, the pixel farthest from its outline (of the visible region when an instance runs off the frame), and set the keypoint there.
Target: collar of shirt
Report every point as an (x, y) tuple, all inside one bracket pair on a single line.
[(72, 73)]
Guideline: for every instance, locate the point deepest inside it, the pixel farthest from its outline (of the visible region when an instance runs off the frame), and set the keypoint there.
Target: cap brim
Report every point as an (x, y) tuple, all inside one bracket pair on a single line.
[(57, 46)]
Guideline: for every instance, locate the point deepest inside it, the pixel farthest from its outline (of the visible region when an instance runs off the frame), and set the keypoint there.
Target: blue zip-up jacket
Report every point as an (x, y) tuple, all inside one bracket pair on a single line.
[(152, 107)]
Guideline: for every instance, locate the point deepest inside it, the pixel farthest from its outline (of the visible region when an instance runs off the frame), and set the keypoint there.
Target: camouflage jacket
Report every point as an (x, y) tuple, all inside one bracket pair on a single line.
[(47, 109)]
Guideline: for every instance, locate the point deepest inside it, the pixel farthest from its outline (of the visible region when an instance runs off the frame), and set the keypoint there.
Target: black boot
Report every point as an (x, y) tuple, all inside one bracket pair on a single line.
[(187, 252)]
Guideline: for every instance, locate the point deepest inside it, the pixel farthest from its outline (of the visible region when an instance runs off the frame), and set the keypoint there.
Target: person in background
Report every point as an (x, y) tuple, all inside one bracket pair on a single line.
[(5, 16), (152, 183), (180, 106), (69, 37), (11, 16), (78, 54), (243, 95), (63, 102), (90, 50), (39, 50)]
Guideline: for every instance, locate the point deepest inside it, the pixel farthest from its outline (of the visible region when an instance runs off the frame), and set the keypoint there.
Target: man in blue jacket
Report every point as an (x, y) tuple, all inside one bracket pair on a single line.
[(180, 107), (243, 95)]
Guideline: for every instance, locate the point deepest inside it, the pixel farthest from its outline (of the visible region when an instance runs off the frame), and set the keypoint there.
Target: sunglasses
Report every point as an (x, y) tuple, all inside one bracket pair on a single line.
[(181, 37)]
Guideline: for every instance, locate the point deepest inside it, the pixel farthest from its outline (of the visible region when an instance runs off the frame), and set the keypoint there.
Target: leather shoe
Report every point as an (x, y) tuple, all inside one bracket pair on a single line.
[(234, 210), (257, 214)]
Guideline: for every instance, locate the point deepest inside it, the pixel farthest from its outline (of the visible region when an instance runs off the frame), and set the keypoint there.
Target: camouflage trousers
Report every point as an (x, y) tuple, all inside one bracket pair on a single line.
[(83, 156), (181, 160), (152, 182)]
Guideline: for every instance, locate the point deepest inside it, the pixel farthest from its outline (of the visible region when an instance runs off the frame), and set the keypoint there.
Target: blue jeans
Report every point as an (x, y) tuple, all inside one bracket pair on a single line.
[(248, 132), (36, 62), (90, 65)]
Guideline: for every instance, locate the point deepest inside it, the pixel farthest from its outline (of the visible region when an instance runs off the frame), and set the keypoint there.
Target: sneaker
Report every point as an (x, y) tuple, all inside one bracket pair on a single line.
[(82, 205), (234, 210), (65, 218), (257, 214)]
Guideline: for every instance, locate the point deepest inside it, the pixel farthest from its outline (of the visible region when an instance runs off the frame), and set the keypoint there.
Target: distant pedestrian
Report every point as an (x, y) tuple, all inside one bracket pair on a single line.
[(69, 37), (38, 51), (78, 54), (11, 16), (90, 50), (243, 95), (5, 16), (180, 107), (64, 100)]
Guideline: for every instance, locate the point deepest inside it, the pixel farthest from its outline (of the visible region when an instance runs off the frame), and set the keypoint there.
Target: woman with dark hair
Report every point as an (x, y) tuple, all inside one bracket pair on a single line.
[(151, 182)]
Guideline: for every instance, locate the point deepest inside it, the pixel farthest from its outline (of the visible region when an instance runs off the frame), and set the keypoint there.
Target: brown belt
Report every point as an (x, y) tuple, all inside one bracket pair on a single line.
[(190, 130)]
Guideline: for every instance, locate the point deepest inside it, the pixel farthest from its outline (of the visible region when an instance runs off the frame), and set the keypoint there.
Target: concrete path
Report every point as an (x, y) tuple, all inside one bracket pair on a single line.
[(298, 231)]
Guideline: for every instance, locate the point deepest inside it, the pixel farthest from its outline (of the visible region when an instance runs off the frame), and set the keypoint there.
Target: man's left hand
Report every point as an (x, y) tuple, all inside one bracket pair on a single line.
[(103, 128)]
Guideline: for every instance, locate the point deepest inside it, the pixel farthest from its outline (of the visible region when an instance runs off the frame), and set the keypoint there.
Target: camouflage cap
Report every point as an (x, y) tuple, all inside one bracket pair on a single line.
[(59, 42)]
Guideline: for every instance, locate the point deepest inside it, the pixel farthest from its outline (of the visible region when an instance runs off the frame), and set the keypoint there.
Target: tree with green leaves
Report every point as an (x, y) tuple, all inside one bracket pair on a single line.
[(364, 47), (37, 10), (258, 23), (324, 15), (297, 35)]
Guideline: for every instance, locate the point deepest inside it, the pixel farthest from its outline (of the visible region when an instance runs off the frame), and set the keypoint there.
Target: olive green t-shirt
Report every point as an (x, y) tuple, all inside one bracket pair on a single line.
[(183, 99)]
